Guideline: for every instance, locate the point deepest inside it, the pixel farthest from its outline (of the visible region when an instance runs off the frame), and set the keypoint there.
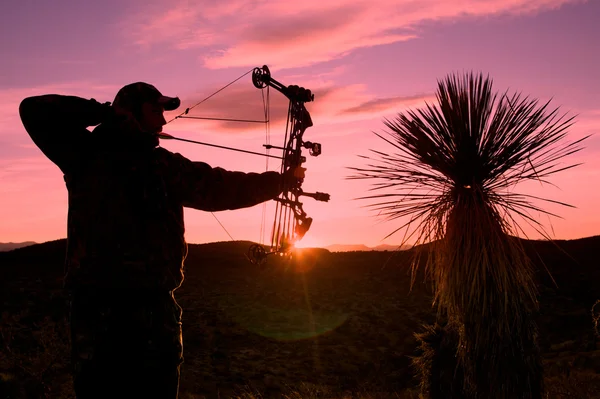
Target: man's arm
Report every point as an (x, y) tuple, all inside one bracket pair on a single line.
[(215, 189), (58, 124)]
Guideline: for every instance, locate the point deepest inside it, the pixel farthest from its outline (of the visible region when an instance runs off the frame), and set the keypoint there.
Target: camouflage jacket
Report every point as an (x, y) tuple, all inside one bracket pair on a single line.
[(125, 219)]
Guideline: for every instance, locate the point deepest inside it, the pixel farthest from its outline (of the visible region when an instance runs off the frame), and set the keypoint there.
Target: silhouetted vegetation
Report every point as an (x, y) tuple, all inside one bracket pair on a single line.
[(451, 172)]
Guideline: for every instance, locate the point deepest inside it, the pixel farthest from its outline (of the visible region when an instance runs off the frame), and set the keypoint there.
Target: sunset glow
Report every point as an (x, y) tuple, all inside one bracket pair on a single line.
[(363, 63)]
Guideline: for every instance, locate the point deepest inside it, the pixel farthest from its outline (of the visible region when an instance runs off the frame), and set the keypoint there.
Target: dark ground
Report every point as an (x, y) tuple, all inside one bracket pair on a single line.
[(336, 322)]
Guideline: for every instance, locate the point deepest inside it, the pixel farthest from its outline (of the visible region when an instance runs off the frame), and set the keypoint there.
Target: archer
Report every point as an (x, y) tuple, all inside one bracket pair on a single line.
[(125, 239)]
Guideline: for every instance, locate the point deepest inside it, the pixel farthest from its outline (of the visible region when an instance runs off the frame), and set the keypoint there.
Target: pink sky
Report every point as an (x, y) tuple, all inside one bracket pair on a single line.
[(362, 62)]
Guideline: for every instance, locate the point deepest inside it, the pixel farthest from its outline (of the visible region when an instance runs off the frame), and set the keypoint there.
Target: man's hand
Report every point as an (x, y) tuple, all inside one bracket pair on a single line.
[(293, 176), (125, 120)]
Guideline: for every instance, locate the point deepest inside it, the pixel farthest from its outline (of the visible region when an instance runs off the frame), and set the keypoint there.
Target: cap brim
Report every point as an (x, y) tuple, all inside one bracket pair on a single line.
[(169, 103)]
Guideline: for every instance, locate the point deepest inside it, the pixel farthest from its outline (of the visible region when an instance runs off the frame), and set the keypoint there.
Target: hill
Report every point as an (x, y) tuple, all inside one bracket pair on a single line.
[(9, 246), (362, 247), (336, 322)]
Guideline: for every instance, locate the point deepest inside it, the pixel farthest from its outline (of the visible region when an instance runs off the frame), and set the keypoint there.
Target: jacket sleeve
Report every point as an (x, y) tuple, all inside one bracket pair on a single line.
[(215, 189), (58, 124)]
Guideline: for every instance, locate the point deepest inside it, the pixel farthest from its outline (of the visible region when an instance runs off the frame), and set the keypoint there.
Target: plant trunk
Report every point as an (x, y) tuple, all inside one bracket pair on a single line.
[(437, 367), (484, 284)]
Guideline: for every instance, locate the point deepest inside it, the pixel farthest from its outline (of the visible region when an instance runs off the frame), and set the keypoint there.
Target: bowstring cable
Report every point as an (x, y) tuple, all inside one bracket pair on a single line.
[(218, 221), (279, 206), (266, 109)]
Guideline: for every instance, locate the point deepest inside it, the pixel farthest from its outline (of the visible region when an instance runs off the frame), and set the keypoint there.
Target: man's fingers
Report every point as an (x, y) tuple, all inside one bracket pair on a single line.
[(294, 175), (299, 172)]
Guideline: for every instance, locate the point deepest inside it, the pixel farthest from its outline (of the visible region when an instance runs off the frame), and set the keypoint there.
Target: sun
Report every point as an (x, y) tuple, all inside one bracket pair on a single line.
[(308, 242)]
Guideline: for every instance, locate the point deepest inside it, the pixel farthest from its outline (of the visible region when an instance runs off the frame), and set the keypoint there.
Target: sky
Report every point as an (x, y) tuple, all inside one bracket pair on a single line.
[(363, 60)]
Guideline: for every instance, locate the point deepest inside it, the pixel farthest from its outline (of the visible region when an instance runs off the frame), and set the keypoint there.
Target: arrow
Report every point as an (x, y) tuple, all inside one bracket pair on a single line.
[(167, 136)]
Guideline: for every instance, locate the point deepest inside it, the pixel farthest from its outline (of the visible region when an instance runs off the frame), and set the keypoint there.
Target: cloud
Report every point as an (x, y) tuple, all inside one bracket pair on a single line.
[(180, 25), (23, 170), (587, 123), (381, 106), (244, 32), (15, 144), (11, 98), (333, 104)]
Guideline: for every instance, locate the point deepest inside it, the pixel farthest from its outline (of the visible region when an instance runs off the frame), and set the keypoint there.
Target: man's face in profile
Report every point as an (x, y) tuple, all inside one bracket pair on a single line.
[(152, 119)]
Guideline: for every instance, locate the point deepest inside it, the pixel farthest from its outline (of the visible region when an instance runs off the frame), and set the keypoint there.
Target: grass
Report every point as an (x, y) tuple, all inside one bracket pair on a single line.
[(368, 355)]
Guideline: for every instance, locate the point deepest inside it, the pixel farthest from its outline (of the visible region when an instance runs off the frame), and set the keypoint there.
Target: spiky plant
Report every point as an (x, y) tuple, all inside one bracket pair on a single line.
[(451, 176)]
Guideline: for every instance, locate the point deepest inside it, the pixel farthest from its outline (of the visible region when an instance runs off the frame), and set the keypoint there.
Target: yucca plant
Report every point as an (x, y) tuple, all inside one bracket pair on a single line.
[(450, 175)]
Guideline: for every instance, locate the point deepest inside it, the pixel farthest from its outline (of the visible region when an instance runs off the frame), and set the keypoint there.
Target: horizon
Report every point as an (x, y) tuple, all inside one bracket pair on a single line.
[(312, 247), (370, 64), (211, 242)]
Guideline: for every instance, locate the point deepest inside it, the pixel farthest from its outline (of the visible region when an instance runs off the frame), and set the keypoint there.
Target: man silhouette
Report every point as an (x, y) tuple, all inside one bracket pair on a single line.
[(126, 243)]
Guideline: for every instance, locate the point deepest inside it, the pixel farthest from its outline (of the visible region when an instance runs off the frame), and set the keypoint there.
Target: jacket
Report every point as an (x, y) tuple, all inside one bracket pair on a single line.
[(126, 195)]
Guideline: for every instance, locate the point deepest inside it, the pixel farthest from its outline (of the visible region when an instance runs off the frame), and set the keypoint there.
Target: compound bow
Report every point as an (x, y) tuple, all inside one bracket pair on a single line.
[(291, 221)]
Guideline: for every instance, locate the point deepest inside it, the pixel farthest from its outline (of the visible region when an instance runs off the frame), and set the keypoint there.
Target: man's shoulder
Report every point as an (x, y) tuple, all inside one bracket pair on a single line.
[(168, 157), (164, 154)]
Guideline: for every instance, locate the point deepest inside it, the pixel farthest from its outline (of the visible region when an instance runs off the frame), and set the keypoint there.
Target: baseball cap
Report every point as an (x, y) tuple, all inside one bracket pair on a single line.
[(135, 94)]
